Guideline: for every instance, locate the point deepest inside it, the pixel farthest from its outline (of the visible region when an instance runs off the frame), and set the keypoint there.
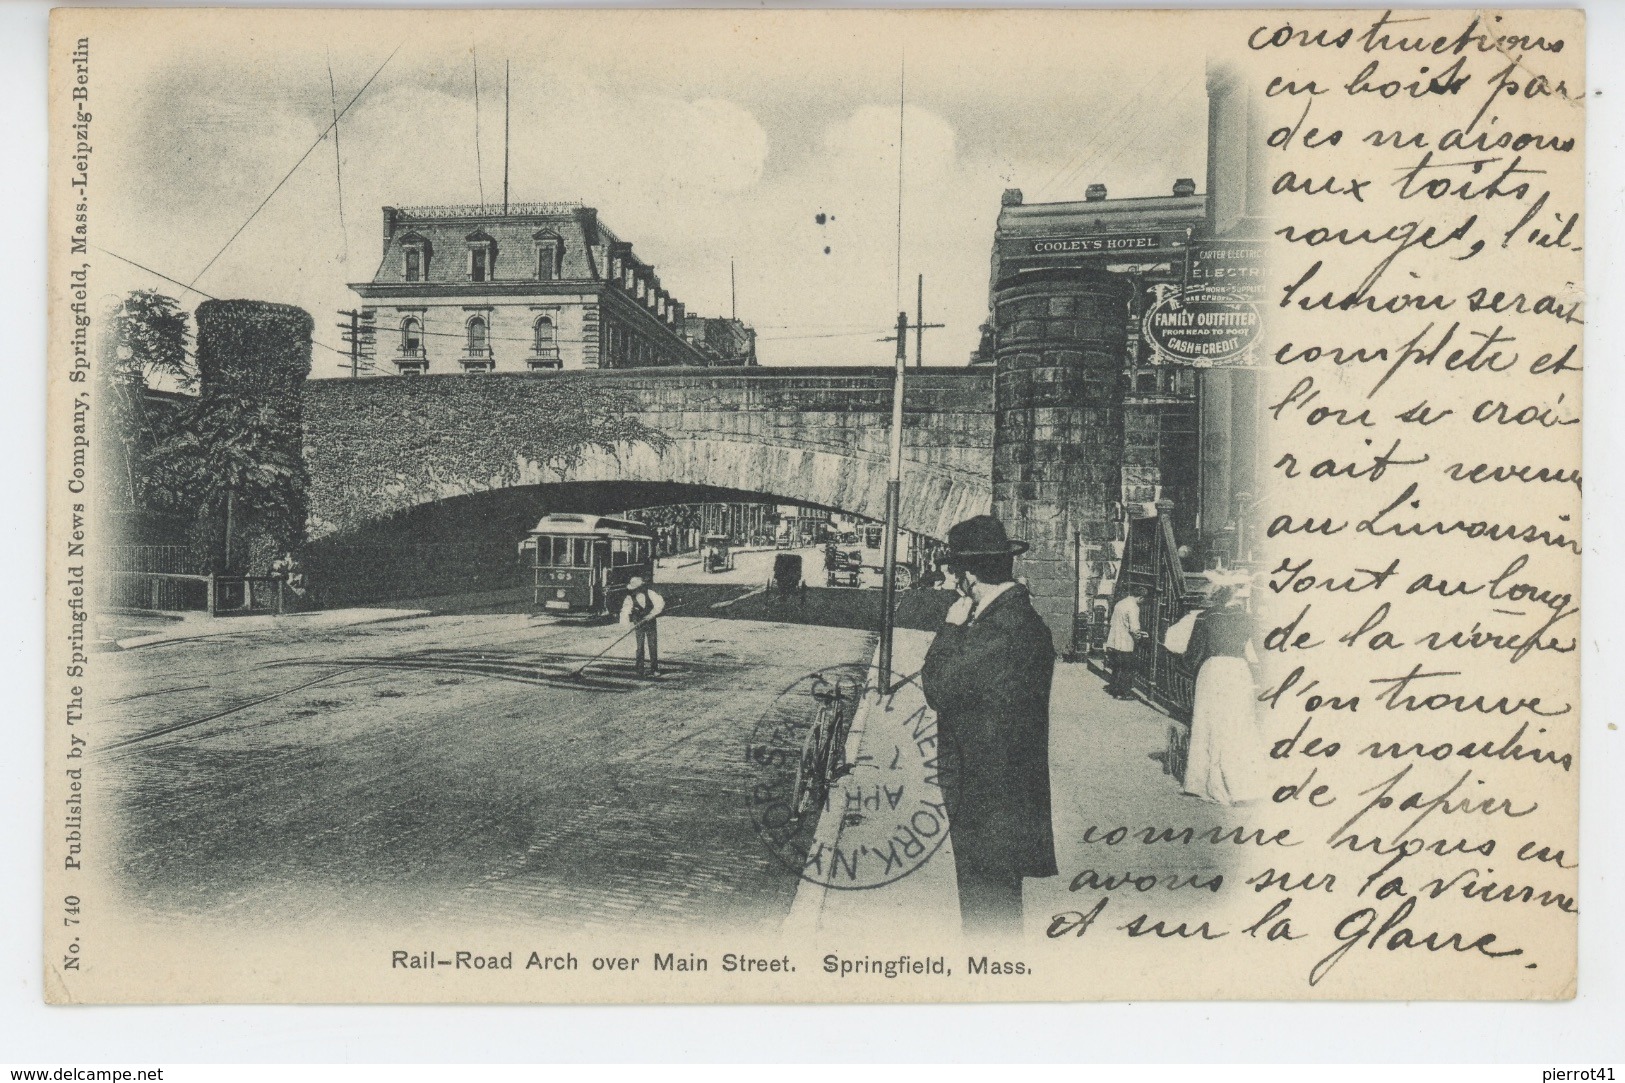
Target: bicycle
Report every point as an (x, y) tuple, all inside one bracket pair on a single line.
[(823, 752)]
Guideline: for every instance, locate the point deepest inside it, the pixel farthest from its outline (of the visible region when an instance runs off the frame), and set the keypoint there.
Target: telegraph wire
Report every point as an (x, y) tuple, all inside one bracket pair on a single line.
[(454, 334), (338, 159), (295, 168), (1070, 171), (158, 274), (193, 289), (1082, 159), (479, 164), (1125, 139)]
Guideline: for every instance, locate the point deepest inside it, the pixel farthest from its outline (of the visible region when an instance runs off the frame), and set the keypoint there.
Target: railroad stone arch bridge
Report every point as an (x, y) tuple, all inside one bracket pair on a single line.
[(811, 436)]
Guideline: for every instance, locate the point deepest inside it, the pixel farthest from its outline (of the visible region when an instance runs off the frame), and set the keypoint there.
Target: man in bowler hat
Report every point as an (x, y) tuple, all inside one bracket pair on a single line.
[(987, 675)]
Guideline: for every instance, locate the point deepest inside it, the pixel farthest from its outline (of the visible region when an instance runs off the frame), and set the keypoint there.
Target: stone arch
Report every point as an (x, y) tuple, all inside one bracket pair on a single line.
[(933, 499)]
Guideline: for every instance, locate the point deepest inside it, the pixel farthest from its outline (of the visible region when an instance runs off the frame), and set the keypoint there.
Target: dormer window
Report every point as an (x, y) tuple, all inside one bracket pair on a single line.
[(549, 255), (415, 257), (482, 256)]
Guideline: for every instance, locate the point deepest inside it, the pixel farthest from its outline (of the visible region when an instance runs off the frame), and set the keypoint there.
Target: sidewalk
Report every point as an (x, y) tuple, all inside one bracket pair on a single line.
[(185, 626), (1105, 771), (925, 900)]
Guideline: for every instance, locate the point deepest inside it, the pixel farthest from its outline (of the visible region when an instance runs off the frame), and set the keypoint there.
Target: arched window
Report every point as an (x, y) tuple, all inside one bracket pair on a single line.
[(544, 344), (413, 360), (477, 354)]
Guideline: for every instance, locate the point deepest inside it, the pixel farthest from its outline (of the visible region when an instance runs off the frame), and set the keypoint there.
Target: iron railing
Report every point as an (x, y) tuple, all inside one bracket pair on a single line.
[(216, 595)]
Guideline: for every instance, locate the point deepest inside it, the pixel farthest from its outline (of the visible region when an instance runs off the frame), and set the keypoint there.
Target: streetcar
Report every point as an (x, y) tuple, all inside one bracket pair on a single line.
[(581, 563)]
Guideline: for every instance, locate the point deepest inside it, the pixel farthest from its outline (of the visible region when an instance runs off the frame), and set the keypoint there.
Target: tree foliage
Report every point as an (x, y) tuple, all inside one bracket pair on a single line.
[(231, 454), (143, 341)]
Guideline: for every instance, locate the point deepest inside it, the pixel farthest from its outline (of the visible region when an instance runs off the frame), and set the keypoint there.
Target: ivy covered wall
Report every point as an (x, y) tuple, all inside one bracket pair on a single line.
[(390, 443)]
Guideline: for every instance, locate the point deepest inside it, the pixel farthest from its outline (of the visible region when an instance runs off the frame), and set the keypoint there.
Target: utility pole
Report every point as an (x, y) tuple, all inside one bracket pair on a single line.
[(919, 325), (894, 493), (1077, 595), (361, 333), (733, 291), (506, 85), (919, 322)]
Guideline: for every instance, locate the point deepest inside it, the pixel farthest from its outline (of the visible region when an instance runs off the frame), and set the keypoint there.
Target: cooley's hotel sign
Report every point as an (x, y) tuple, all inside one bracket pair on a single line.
[(1107, 244)]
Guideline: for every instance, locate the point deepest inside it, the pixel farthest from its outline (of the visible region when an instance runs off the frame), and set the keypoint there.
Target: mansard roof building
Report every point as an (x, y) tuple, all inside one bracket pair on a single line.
[(533, 286)]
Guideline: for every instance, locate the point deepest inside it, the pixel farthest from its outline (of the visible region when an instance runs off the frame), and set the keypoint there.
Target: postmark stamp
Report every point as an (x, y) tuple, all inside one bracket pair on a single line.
[(848, 814)]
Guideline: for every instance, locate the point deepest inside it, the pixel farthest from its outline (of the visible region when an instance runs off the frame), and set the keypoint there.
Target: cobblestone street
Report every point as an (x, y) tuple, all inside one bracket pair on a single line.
[(450, 763)]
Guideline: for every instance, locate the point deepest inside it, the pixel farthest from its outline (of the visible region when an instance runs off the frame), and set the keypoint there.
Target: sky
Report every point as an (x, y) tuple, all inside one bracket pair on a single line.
[(701, 137)]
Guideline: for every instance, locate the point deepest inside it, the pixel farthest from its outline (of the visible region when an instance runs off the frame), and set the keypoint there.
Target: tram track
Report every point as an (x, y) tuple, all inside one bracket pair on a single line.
[(164, 731), (400, 661)]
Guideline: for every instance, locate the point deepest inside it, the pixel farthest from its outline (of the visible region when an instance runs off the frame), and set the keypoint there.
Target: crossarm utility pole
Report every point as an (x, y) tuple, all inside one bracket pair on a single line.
[(894, 492), (359, 331), (919, 325)]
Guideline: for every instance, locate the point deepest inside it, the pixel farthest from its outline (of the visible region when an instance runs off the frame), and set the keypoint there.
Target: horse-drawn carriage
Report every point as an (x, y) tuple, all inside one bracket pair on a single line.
[(842, 567), (719, 556), (787, 575)]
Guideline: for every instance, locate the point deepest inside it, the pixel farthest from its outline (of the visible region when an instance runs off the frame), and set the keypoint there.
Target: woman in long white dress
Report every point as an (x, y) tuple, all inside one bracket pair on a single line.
[(1227, 759)]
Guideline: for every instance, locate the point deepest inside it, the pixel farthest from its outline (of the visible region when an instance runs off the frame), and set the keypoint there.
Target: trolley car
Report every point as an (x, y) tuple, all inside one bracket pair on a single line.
[(581, 563)]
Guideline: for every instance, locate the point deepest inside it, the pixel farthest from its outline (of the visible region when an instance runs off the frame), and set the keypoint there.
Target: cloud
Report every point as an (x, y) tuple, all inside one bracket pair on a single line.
[(865, 143), (583, 141), (695, 148)]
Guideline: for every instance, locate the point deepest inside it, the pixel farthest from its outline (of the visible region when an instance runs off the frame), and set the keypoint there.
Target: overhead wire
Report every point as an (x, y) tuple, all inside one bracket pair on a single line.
[(1127, 139), (1109, 140), (255, 212), (193, 289), (479, 164), (1091, 150), (1094, 142), (338, 159), (523, 340)]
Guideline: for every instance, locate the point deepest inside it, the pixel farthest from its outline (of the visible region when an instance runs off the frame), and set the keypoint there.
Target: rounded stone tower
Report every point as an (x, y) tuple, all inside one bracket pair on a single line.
[(1058, 423)]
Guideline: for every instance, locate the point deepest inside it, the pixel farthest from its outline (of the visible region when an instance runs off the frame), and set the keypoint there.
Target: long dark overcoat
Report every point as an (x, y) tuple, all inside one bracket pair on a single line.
[(989, 682)]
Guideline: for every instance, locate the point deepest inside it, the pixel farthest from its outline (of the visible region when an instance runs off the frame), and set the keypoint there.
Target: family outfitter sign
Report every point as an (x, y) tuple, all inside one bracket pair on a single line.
[(1201, 326), (1211, 316)]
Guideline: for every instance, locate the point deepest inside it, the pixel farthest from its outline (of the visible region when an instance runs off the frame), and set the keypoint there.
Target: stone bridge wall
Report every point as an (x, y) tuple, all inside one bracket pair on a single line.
[(815, 436)]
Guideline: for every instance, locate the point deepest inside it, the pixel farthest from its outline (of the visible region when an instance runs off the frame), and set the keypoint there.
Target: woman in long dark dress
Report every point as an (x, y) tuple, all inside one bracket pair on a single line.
[(1226, 761)]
